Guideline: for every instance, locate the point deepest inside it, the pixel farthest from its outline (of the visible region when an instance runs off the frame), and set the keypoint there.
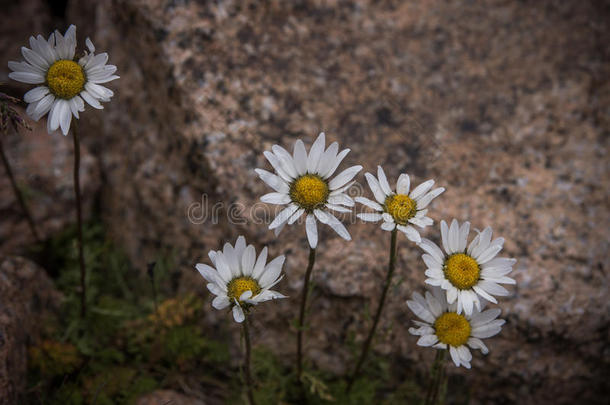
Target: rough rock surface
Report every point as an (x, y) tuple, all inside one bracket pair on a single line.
[(26, 295), (506, 104)]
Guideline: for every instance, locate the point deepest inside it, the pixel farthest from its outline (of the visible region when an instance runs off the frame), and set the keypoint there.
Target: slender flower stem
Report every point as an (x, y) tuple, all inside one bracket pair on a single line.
[(247, 362), (436, 376), (79, 218), (300, 326), (384, 293), (18, 194)]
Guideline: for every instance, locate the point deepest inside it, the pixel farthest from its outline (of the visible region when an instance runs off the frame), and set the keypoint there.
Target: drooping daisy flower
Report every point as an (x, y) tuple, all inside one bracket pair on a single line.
[(443, 327), (63, 82), (303, 183), (467, 273), (240, 279), (399, 209)]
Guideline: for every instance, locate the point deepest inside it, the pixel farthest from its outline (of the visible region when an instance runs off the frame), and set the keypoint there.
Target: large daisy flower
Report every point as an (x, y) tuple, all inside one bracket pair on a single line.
[(467, 273), (239, 279), (399, 209), (303, 183), (63, 82), (443, 327)]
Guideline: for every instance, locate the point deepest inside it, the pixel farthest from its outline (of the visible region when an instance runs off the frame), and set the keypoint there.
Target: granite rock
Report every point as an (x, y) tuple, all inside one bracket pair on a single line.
[(26, 297)]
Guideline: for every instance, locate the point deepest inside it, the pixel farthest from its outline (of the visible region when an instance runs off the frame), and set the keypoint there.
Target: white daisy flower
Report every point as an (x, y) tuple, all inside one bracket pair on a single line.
[(443, 327), (302, 182), (399, 209), (240, 279), (63, 82), (467, 273)]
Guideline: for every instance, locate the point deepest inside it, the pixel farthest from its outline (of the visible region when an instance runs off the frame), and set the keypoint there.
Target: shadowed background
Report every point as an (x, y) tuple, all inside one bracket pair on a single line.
[(504, 103)]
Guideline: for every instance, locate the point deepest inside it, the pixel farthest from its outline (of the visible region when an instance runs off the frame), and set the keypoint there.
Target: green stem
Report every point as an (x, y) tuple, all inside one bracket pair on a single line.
[(247, 362), (300, 327), (435, 377), (384, 293), (18, 194), (79, 219)]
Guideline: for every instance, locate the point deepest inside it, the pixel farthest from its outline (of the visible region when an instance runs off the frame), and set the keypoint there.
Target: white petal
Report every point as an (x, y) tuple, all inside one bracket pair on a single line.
[(344, 177), (338, 161), (338, 208), (285, 160), (375, 188), (296, 216), (43, 106), (35, 94), (420, 311), (222, 266), (481, 318), (276, 198), (483, 240), (221, 302), (463, 239), (410, 232), (277, 165), (421, 189), (34, 59), (426, 199), (259, 267), (238, 314), (476, 343), (328, 158), (27, 77), (341, 199), (92, 101), (370, 217), (369, 203), (493, 288), (300, 157), (431, 248), (247, 260), (65, 117), (454, 356), (283, 216), (427, 340), (333, 222), (388, 226), (311, 230), (403, 184), (315, 153), (454, 237), (383, 181), (272, 272), (273, 181)]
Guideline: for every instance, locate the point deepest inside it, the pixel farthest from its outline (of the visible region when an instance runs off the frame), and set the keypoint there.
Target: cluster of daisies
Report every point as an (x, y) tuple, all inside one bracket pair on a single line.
[(461, 277)]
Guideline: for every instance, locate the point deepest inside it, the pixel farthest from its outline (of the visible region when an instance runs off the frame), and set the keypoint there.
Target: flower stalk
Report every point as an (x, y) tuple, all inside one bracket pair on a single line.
[(367, 343), (300, 326), (436, 377), (247, 361), (79, 220)]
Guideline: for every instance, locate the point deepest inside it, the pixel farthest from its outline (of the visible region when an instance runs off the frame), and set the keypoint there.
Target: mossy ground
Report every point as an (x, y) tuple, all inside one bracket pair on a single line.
[(140, 335)]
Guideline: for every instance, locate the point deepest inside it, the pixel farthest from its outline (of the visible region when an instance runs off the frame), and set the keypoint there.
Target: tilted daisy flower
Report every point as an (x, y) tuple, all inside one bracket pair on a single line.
[(63, 82), (399, 209), (240, 279), (303, 183), (467, 273), (444, 328)]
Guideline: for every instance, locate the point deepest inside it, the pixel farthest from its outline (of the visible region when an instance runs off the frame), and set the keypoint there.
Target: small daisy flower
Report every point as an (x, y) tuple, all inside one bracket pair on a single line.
[(443, 327), (239, 279), (63, 82), (467, 273), (399, 209), (303, 183)]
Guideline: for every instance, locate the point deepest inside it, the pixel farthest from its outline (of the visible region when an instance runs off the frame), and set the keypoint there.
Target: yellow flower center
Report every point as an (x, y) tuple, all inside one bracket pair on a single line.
[(462, 271), (401, 207), (309, 192), (65, 79), (452, 329), (240, 285)]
